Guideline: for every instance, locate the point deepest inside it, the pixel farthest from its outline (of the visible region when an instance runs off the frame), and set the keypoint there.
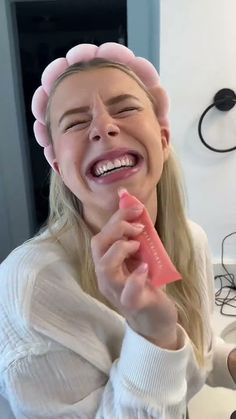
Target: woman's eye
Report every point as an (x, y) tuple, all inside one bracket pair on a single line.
[(127, 109), (76, 124)]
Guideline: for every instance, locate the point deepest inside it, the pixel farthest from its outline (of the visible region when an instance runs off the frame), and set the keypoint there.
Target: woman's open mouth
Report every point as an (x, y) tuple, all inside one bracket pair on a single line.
[(115, 166)]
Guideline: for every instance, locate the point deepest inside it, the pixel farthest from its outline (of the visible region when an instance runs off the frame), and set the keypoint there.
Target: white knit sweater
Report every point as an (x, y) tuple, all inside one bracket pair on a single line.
[(65, 355)]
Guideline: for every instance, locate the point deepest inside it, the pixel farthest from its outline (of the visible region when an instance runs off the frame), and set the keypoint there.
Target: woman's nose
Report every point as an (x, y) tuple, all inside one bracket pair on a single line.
[(103, 127)]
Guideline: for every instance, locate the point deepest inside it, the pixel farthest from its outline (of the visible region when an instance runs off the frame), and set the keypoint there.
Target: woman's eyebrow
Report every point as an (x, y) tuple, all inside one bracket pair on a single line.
[(120, 98), (82, 109)]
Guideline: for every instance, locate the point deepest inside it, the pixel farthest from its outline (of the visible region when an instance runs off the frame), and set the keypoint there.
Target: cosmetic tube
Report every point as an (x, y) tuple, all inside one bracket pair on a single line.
[(161, 270)]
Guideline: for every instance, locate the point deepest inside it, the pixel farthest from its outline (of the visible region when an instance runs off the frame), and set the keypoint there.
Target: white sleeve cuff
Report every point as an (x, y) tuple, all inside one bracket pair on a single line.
[(148, 370)]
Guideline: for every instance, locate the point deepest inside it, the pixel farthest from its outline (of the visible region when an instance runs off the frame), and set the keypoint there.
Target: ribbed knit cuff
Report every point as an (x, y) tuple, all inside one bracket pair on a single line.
[(147, 369)]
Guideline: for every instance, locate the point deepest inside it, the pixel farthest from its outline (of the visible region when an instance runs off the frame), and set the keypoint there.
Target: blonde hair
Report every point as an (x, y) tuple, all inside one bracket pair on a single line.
[(66, 213)]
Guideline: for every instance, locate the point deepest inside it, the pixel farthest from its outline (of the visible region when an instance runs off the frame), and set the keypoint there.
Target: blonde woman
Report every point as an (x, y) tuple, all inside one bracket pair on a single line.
[(82, 334)]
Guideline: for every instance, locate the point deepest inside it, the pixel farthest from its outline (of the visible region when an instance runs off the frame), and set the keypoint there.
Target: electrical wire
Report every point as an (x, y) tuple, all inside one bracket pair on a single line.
[(228, 300)]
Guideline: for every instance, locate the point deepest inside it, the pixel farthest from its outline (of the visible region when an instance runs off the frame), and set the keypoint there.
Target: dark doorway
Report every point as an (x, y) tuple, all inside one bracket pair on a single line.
[(46, 30)]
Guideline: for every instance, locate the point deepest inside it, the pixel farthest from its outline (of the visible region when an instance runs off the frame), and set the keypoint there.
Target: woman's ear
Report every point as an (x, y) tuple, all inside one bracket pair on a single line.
[(56, 167), (165, 140)]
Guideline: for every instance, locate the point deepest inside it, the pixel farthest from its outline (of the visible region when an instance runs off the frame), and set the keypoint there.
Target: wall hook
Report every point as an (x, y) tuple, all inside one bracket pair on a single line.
[(224, 100)]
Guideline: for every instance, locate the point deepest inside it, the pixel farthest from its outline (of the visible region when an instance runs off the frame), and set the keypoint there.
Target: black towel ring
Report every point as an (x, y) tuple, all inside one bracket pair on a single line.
[(224, 100)]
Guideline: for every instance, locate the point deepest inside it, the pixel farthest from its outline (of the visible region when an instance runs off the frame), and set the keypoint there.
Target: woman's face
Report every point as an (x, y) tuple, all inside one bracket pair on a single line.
[(106, 135)]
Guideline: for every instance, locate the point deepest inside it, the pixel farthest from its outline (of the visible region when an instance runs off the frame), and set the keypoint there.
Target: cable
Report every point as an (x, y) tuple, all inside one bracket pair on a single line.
[(230, 299)]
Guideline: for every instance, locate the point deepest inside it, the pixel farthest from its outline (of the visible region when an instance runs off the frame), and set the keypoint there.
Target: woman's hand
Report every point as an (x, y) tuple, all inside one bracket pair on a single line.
[(123, 280)]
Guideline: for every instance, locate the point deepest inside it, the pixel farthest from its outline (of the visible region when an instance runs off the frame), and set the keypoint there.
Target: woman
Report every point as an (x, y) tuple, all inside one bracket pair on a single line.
[(83, 332)]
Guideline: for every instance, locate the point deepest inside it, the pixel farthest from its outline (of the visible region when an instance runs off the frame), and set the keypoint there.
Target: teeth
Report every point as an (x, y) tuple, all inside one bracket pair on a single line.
[(110, 165), (103, 167), (127, 160), (117, 163)]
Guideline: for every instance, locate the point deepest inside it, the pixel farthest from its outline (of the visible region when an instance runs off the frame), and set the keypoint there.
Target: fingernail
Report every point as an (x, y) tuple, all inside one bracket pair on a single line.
[(142, 268), (139, 226), (122, 191)]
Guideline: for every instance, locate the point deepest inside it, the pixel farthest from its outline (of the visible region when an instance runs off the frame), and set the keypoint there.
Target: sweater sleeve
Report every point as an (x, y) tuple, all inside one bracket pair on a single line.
[(145, 382), (55, 384), (67, 356)]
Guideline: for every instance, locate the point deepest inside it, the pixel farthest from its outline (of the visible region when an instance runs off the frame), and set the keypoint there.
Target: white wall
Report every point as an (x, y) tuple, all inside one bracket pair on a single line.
[(198, 58)]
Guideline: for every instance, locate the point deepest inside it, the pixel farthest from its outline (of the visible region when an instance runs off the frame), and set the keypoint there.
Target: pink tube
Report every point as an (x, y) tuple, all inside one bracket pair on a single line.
[(151, 250)]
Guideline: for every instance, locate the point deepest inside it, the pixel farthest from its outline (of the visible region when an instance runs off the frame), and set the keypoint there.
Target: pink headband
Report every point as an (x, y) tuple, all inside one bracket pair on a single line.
[(86, 52)]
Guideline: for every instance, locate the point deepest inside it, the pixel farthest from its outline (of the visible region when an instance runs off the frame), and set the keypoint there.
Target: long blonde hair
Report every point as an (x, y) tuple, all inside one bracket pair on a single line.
[(66, 213)]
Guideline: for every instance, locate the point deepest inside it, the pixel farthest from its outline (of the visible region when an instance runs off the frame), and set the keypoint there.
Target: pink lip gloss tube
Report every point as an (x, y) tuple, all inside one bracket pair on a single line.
[(151, 250)]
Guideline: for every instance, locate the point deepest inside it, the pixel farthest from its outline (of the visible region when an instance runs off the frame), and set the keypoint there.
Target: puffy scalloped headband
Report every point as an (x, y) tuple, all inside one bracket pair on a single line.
[(86, 52)]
